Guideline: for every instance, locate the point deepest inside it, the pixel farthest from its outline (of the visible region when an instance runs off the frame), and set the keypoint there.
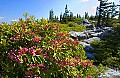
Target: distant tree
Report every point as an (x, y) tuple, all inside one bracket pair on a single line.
[(55, 18), (71, 14), (61, 17), (77, 16), (71, 18), (86, 15), (51, 15), (91, 17)]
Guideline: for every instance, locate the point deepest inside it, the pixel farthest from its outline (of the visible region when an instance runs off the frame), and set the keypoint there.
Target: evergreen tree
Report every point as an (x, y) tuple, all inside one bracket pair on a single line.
[(51, 15), (77, 16), (71, 18), (61, 17), (86, 15), (104, 11), (55, 18)]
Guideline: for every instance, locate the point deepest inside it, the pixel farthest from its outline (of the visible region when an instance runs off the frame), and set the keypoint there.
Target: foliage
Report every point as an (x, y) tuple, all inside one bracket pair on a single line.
[(108, 51), (72, 26), (36, 48), (105, 12)]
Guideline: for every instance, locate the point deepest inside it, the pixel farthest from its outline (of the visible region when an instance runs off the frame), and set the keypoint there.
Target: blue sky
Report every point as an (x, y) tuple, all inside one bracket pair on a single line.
[(14, 9)]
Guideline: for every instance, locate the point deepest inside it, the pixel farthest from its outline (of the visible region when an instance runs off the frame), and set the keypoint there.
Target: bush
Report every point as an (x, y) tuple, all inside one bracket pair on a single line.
[(71, 26), (36, 48), (108, 51)]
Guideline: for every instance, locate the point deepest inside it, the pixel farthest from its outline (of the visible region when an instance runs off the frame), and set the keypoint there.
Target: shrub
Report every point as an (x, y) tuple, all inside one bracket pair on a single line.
[(36, 48), (71, 26), (108, 51)]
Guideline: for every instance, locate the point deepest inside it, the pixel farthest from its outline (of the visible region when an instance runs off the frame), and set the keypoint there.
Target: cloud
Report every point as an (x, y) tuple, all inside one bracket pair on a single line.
[(1, 18), (14, 20), (84, 0), (92, 9)]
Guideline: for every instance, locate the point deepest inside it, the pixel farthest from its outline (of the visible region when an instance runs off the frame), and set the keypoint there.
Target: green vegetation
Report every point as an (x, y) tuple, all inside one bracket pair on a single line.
[(37, 48), (43, 48), (108, 51), (71, 26)]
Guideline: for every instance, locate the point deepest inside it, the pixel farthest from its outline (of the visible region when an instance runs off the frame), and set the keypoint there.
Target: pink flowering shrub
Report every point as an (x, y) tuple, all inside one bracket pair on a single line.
[(36, 48)]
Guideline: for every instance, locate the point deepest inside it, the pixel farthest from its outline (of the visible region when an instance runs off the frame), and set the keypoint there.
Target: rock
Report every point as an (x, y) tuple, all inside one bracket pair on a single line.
[(89, 49), (84, 44), (90, 55)]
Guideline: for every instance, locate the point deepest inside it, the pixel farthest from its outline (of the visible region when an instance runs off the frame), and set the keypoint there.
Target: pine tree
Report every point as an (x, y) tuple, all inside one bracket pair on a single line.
[(51, 15), (61, 17), (104, 11), (77, 16), (86, 15)]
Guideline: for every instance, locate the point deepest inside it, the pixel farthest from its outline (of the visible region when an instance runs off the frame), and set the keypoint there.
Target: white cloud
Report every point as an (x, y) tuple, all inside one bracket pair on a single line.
[(14, 20), (92, 9), (1, 18), (84, 0)]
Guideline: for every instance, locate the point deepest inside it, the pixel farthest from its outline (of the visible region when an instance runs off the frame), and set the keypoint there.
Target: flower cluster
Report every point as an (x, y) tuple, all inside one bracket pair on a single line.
[(41, 66), (16, 37), (56, 27), (15, 57), (86, 63)]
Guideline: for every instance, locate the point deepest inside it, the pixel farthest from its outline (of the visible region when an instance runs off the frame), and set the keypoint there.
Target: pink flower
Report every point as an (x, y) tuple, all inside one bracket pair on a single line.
[(44, 55), (45, 27), (25, 59), (40, 65), (89, 63), (89, 77), (26, 32), (56, 62), (29, 73), (11, 52), (23, 25), (84, 64), (43, 69), (77, 76), (47, 67), (17, 36), (36, 39), (23, 51), (33, 53), (38, 51), (18, 60), (12, 57), (76, 42), (30, 50), (56, 27), (73, 64)]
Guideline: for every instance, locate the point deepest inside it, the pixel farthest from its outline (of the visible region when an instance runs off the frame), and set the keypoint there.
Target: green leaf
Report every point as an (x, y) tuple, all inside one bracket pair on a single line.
[(33, 59)]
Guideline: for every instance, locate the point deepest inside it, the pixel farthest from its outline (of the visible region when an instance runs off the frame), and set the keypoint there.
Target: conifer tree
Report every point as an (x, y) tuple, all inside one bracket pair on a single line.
[(51, 15)]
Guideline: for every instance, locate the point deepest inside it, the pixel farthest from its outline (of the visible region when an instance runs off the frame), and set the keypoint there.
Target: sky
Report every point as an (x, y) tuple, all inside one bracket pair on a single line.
[(11, 10)]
